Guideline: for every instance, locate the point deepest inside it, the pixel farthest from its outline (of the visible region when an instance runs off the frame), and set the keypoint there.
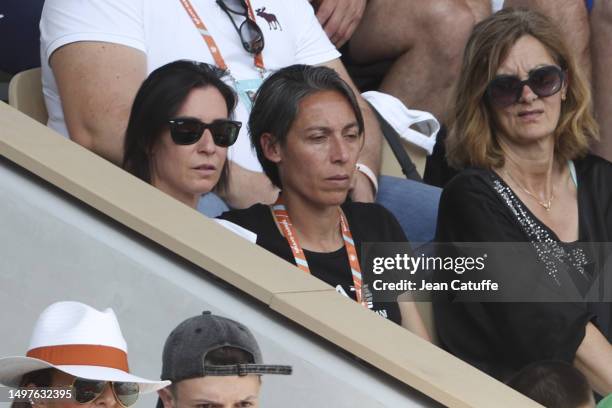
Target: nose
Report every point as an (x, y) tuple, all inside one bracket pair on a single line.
[(107, 398), (527, 94), (206, 144), (339, 149)]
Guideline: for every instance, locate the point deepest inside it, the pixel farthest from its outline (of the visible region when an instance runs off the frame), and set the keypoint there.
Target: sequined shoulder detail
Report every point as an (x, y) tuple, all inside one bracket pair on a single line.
[(549, 250)]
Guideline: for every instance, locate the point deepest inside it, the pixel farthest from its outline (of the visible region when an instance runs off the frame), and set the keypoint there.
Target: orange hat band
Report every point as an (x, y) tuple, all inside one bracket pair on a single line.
[(82, 354)]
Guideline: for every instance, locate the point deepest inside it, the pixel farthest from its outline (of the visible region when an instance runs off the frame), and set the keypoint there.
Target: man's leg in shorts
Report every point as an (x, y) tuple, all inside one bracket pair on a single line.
[(425, 39), (601, 49), (414, 204)]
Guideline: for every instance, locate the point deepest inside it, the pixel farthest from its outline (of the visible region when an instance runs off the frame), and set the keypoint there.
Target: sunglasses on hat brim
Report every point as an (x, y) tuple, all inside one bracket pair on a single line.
[(186, 131), (506, 90)]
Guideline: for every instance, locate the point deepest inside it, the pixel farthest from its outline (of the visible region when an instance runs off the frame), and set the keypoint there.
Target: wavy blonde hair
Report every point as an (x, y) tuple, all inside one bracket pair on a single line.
[(471, 140)]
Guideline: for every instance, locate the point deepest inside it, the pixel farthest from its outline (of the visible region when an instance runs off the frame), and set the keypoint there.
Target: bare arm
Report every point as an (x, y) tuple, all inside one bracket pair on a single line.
[(247, 188), (371, 152), (594, 359), (411, 318), (97, 82)]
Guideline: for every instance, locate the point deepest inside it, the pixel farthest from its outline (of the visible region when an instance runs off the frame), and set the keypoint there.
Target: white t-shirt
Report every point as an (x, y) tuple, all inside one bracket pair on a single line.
[(163, 30)]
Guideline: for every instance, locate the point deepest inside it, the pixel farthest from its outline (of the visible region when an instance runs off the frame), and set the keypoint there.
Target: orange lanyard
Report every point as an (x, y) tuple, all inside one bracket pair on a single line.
[(281, 215), (210, 41)]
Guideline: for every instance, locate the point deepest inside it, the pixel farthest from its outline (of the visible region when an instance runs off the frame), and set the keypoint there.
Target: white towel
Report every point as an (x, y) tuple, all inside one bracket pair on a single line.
[(497, 5), (405, 120)]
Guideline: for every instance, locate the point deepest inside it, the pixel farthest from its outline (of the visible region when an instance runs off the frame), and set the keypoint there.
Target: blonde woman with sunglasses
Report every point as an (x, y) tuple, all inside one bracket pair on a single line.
[(521, 129)]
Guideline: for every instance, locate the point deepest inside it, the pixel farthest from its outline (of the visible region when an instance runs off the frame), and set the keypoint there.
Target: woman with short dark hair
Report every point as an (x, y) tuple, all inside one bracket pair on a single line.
[(520, 130), (307, 130)]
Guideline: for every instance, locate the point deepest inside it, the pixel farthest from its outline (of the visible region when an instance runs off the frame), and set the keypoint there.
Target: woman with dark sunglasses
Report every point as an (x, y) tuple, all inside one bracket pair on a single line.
[(520, 130), (77, 358), (307, 130), (179, 130)]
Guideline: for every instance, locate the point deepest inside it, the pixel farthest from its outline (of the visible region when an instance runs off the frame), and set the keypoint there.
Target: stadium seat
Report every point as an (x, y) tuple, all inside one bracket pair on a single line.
[(25, 94), (391, 167)]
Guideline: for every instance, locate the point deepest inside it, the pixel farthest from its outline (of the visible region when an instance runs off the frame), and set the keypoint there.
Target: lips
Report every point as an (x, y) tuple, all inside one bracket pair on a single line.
[(338, 177), (205, 169), (530, 114), (339, 182)]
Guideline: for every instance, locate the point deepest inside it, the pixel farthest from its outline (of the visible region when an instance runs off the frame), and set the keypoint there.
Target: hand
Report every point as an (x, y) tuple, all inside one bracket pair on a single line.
[(339, 18), (362, 190)]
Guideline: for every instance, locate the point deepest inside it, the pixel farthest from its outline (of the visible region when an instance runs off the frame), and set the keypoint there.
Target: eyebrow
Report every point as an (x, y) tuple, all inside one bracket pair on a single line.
[(183, 117), (350, 126), (198, 401), (327, 129), (208, 401), (530, 71)]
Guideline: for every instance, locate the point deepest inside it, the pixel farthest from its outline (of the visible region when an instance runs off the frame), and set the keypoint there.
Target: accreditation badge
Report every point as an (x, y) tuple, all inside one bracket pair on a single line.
[(246, 90)]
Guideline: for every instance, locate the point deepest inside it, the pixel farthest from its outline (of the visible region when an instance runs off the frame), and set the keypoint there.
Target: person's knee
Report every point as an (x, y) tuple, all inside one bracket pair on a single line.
[(397, 27), (447, 24)]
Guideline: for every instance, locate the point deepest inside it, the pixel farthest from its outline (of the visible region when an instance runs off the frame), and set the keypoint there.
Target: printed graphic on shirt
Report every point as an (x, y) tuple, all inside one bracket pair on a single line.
[(367, 294), (273, 23)]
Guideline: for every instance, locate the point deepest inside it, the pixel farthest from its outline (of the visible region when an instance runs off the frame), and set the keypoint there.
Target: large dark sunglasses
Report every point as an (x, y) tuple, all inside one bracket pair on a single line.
[(505, 90), (250, 34), (186, 131), (126, 393)]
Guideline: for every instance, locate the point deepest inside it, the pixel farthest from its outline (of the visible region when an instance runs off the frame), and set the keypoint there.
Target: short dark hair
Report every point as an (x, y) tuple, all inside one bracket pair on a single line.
[(158, 100), (554, 384), (277, 102)]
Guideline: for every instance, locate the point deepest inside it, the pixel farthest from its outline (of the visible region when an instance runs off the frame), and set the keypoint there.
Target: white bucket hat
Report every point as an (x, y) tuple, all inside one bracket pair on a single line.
[(79, 340)]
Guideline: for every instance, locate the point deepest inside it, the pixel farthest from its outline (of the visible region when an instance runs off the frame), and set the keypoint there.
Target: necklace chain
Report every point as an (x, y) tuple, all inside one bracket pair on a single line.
[(546, 204)]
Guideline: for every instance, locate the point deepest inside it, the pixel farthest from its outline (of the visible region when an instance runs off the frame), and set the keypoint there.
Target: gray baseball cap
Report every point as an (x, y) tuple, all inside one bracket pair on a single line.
[(186, 348)]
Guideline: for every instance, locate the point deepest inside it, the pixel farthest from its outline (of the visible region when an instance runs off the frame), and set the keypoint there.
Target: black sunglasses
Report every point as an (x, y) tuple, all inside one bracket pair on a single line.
[(505, 90), (186, 131), (126, 393), (250, 34)]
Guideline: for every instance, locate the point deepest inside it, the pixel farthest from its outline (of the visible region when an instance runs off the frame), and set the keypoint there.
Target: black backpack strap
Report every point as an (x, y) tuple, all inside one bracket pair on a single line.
[(393, 138)]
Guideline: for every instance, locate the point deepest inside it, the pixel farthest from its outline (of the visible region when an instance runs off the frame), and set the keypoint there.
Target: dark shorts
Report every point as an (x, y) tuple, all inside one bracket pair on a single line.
[(367, 77)]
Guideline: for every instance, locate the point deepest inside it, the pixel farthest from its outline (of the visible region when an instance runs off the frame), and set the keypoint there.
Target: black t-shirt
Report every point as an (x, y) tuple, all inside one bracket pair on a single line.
[(368, 223), (501, 338)]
